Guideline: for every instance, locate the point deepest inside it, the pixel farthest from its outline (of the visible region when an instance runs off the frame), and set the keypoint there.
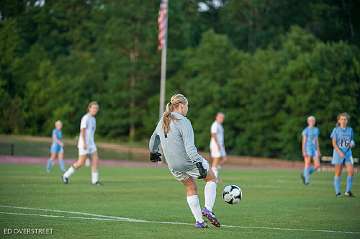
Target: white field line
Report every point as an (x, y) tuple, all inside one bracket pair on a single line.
[(98, 217)]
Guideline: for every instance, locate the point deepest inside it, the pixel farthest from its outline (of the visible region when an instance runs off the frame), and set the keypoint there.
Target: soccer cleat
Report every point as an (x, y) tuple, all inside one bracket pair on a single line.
[(338, 195), (98, 183), (211, 217), (201, 225), (349, 194), (303, 179), (65, 180)]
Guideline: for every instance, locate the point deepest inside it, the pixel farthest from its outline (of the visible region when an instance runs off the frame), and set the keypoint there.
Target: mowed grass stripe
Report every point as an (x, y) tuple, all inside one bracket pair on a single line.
[(92, 216)]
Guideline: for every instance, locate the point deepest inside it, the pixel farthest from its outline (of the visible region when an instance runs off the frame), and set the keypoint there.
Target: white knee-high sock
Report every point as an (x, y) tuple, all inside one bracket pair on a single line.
[(194, 205), (69, 172), (94, 177), (210, 195), (87, 162), (216, 171)]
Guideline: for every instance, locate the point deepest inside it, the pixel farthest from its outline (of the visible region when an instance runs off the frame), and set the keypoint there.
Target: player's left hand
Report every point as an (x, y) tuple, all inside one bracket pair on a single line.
[(155, 157), (202, 170), (341, 154)]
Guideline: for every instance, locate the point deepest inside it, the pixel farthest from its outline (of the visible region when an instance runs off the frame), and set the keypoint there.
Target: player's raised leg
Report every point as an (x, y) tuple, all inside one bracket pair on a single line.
[(78, 164)]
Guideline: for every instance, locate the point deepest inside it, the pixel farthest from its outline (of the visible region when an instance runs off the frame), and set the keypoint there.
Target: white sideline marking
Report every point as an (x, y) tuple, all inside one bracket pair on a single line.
[(60, 216), (99, 217)]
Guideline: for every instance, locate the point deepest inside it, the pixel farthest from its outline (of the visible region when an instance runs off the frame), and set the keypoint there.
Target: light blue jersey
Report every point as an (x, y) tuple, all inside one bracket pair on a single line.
[(344, 138), (312, 135), (58, 135), (55, 147)]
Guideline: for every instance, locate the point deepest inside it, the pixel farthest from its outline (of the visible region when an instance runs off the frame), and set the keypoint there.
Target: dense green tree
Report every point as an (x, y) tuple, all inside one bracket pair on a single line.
[(266, 64), (253, 24), (267, 96)]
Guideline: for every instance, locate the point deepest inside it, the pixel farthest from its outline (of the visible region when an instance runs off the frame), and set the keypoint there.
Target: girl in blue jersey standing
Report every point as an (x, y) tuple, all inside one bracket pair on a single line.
[(310, 149), (57, 148), (342, 138)]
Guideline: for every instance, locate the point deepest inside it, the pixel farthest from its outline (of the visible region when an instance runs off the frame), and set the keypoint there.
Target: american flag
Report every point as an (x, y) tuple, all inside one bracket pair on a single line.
[(162, 23)]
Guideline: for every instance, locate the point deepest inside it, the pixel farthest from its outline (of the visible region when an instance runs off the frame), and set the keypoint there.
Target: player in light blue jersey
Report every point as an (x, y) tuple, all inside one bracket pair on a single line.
[(57, 148), (310, 149), (342, 138)]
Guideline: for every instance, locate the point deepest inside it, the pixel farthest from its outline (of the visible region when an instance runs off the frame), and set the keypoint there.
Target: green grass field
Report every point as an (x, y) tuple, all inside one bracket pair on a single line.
[(275, 202)]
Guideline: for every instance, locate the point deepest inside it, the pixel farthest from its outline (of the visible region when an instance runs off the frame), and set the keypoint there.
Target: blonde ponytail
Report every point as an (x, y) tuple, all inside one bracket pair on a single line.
[(170, 107), (167, 118)]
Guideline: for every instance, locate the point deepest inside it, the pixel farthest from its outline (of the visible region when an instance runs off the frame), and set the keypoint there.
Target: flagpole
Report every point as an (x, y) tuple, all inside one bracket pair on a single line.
[(163, 67)]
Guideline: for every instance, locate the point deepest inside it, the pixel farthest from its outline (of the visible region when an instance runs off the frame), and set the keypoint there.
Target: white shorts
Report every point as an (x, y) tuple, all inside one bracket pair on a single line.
[(193, 173), (215, 152), (87, 151)]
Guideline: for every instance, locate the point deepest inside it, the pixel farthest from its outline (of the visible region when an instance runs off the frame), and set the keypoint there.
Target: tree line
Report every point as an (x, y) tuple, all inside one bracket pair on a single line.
[(266, 64)]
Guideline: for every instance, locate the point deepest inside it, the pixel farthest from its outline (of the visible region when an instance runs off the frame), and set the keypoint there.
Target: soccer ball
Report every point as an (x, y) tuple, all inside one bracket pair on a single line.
[(232, 194)]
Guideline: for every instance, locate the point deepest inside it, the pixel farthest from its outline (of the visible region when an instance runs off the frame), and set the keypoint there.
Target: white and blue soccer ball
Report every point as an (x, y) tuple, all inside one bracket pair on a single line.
[(232, 194)]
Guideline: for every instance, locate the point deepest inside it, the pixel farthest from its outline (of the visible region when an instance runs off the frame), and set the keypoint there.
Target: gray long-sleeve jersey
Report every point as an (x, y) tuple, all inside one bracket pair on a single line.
[(178, 145)]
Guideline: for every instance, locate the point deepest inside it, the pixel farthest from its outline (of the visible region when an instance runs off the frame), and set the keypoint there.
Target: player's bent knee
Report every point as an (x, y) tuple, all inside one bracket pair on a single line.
[(191, 189), (79, 164), (210, 176), (190, 185), (76, 165)]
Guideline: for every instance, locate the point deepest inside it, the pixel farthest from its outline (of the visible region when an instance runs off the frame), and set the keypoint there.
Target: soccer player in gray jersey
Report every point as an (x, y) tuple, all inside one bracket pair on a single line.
[(176, 136)]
